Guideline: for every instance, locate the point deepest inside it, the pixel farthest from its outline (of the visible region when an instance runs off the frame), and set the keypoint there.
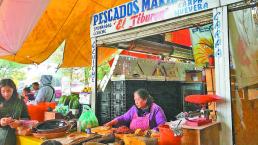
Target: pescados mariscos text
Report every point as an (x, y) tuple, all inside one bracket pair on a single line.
[(136, 10)]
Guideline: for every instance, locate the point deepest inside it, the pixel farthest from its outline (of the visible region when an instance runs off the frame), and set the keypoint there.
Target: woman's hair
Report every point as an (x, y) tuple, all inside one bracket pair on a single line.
[(35, 83), (9, 83), (145, 95), (27, 89), (51, 142)]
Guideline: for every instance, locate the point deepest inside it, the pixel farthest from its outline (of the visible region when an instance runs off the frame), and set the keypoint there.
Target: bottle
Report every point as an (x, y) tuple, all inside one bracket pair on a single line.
[(78, 126), (88, 130)]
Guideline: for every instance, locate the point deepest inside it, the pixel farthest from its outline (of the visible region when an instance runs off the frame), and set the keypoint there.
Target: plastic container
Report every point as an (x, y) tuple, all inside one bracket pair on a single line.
[(36, 112), (167, 136), (88, 130)]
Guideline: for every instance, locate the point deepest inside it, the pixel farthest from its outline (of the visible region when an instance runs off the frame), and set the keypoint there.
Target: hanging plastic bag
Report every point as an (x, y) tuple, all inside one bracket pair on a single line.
[(88, 119), (64, 110)]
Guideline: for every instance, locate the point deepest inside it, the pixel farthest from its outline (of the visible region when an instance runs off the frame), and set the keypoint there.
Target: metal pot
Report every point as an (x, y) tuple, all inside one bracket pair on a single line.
[(51, 126)]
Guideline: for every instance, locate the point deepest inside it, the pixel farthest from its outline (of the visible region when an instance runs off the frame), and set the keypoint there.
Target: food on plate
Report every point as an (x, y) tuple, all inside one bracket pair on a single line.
[(73, 135), (21, 130), (100, 128), (77, 135), (29, 123), (136, 140), (110, 138), (155, 134), (147, 133), (106, 127), (23, 127), (138, 132), (123, 130)]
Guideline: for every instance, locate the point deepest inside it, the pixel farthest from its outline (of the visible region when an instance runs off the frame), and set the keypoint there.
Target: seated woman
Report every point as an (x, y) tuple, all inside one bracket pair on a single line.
[(145, 114), (12, 108)]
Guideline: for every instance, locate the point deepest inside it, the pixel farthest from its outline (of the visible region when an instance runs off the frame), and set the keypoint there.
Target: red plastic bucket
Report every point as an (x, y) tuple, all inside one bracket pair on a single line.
[(37, 112), (167, 136)]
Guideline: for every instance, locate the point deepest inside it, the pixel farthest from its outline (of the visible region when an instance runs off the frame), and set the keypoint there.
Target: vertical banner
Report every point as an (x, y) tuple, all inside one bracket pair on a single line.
[(217, 24), (94, 59), (244, 46), (222, 74), (202, 43)]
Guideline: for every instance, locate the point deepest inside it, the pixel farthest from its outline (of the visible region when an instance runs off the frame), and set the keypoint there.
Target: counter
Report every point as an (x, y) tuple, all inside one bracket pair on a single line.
[(201, 135), (28, 140), (128, 139)]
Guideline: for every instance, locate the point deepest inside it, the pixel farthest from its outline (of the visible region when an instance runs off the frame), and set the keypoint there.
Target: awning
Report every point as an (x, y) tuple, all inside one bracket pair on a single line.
[(17, 19), (68, 20)]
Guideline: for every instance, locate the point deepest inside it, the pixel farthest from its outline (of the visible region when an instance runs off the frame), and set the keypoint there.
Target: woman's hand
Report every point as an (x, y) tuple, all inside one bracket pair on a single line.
[(6, 121), (15, 124), (111, 123)]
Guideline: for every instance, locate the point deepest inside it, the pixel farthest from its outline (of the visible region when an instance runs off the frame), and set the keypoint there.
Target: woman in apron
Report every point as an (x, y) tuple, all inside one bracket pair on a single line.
[(12, 109), (144, 115)]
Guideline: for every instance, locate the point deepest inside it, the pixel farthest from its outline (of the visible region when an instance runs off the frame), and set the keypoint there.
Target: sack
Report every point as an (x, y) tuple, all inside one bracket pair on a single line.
[(88, 119)]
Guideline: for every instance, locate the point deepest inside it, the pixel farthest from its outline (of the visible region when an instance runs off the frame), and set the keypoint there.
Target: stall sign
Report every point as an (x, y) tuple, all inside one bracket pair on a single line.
[(228, 2), (141, 12)]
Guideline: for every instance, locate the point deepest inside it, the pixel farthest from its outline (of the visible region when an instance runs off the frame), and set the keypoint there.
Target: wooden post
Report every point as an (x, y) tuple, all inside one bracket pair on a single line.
[(94, 67), (222, 73)]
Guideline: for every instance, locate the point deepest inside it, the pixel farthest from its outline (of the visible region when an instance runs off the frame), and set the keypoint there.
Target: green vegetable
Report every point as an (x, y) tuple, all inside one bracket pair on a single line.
[(62, 99), (74, 96), (74, 103)]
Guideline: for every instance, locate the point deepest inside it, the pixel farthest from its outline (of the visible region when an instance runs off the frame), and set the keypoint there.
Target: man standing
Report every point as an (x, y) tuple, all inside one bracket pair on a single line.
[(46, 93)]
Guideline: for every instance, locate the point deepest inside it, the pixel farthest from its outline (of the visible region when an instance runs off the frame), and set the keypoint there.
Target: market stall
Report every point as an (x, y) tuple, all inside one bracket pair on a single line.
[(125, 26), (118, 28)]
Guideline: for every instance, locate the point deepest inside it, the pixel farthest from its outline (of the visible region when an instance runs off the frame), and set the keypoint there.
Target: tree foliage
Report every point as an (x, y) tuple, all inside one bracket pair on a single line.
[(11, 70), (102, 71)]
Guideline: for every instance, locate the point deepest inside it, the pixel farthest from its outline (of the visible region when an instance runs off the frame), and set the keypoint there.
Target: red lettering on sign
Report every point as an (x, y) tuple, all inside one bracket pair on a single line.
[(141, 18), (120, 24)]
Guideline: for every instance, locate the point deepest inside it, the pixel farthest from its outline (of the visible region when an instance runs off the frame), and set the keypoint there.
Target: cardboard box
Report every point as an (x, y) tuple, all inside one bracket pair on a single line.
[(193, 76), (52, 115), (252, 93)]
